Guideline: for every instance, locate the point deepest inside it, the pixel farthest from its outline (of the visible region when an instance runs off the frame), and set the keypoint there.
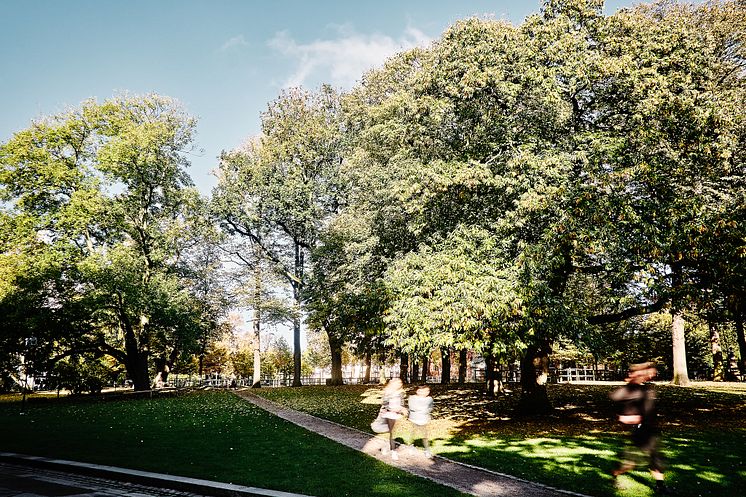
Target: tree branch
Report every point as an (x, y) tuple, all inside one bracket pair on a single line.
[(628, 313)]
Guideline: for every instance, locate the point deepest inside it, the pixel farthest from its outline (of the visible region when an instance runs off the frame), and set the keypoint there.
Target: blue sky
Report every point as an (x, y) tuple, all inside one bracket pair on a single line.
[(223, 59)]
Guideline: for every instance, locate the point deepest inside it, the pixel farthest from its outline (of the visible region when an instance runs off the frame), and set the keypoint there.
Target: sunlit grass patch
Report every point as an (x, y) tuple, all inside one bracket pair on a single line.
[(576, 447)]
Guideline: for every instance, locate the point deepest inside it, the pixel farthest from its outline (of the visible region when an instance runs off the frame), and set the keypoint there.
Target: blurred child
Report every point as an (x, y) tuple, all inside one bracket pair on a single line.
[(420, 407)]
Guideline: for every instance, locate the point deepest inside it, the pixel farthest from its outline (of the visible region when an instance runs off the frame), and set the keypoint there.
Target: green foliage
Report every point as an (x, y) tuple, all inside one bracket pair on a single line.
[(278, 190), (104, 218), (277, 359), (81, 375), (510, 186)]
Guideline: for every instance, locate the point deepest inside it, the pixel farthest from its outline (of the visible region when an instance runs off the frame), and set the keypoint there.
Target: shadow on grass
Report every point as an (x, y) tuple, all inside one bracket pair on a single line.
[(576, 446), (706, 463)]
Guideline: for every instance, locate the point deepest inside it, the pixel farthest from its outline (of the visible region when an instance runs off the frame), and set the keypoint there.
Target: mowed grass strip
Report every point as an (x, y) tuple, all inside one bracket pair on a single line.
[(210, 435), (575, 448)]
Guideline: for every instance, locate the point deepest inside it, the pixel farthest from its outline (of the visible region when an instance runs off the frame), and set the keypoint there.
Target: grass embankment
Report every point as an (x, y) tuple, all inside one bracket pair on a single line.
[(210, 435), (575, 448)]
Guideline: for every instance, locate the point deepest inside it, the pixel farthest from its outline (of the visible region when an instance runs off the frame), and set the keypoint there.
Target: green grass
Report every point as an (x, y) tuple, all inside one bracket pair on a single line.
[(210, 435), (575, 448)]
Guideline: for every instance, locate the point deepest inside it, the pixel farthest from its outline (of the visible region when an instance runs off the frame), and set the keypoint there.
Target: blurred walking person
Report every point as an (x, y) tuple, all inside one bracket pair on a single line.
[(636, 403), (420, 407), (392, 409)]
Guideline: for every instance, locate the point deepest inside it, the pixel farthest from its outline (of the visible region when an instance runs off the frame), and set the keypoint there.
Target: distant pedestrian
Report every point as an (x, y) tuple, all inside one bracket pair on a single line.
[(636, 402), (392, 409), (420, 407)]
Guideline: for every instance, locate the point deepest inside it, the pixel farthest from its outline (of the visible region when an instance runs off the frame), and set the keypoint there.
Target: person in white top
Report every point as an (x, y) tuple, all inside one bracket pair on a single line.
[(392, 409), (420, 407)]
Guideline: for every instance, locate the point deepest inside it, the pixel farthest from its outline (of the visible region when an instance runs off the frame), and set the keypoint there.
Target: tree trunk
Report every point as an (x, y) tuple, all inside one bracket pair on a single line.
[(445, 361), (489, 375), (137, 370), (415, 370), (137, 360), (717, 353), (425, 367), (404, 367), (462, 366), (256, 380), (741, 337), (335, 347), (498, 375), (366, 375), (534, 373), (680, 373), (296, 319)]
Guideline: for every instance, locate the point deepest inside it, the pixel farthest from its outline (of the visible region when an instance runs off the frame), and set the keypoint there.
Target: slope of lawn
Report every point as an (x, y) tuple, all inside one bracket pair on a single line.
[(211, 435), (574, 448)]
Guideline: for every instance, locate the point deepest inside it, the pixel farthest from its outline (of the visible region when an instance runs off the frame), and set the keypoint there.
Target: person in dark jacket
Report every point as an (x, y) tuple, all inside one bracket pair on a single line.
[(636, 402)]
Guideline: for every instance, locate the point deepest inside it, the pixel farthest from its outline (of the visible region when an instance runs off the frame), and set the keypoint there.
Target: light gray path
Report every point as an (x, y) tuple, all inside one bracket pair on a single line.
[(463, 477), (31, 476)]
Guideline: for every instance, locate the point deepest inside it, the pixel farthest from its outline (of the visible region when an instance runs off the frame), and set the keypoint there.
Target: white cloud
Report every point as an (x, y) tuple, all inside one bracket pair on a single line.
[(343, 60), (236, 41)]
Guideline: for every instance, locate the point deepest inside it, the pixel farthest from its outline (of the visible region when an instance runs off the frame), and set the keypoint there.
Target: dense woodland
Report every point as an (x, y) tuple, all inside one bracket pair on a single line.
[(575, 182)]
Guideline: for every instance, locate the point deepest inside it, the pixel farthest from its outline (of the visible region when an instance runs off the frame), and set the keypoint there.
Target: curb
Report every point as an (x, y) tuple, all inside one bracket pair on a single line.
[(172, 482)]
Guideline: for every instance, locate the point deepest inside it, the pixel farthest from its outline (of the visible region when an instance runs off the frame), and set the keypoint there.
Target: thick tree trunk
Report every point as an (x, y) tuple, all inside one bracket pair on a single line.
[(137, 370), (717, 353), (462, 354), (137, 359), (445, 361), (534, 374), (335, 346), (741, 338), (415, 370), (425, 368), (404, 367), (680, 373)]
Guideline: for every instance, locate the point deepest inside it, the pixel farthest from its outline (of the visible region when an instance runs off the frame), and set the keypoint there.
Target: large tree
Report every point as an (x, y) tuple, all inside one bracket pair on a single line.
[(279, 189), (105, 188)]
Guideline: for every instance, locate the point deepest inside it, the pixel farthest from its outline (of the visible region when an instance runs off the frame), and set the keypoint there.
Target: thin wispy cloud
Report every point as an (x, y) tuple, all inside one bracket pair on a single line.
[(236, 41), (341, 61)]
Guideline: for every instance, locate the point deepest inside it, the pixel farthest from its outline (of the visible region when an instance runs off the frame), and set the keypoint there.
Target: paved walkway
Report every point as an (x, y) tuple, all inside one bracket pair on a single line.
[(463, 477), (30, 476)]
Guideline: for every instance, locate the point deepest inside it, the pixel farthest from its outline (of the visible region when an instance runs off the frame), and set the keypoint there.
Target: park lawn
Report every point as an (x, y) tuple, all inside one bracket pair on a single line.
[(212, 435), (574, 448)]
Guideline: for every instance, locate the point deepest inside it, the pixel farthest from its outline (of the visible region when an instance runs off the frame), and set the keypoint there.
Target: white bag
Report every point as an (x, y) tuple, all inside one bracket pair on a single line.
[(379, 425)]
